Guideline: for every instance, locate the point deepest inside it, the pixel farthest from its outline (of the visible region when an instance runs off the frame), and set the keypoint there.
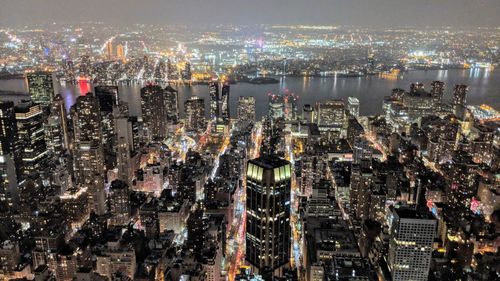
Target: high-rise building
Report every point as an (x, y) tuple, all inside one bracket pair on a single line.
[(225, 113), (124, 143), (155, 111), (56, 128), (8, 133), (308, 113), (268, 213), (109, 50), (410, 243), (172, 105), (195, 230), (31, 150), (41, 87), (437, 91), (214, 100), (460, 100), (186, 73), (119, 200), (331, 117), (8, 129), (120, 52), (88, 155), (353, 106), (195, 114), (246, 111)]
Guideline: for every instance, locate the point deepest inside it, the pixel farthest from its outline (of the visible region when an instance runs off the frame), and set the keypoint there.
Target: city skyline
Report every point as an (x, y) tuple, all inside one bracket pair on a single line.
[(378, 13), (207, 151)]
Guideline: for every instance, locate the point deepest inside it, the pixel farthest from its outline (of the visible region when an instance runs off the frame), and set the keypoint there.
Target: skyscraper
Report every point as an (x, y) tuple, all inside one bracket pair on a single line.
[(155, 111), (214, 100), (124, 142), (109, 50), (268, 213), (225, 104), (88, 155), (8, 129), (331, 117), (195, 114), (120, 52), (353, 106), (31, 150), (172, 105), (41, 87), (119, 200), (8, 133), (459, 100), (410, 244), (246, 111), (437, 91), (56, 127)]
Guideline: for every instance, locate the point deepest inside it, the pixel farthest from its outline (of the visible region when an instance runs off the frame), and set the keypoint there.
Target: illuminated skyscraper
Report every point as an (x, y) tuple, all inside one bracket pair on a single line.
[(214, 100), (155, 111), (88, 155), (437, 91), (109, 50), (460, 100), (308, 113), (331, 117), (119, 203), (353, 106), (8, 129), (31, 148), (124, 142), (268, 233), (172, 105), (41, 87), (225, 104), (410, 244), (246, 111), (8, 179), (56, 128), (195, 114), (120, 52)]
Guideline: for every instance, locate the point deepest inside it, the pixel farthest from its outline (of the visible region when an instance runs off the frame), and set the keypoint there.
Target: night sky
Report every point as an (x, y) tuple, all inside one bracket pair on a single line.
[(379, 13)]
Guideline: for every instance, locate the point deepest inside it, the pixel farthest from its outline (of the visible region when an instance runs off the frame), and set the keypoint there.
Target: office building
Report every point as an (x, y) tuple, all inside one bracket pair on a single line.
[(119, 202), (460, 100), (195, 114), (246, 111), (214, 100), (331, 117), (41, 87), (31, 150), (268, 214), (225, 113), (56, 128), (156, 109), (353, 106), (412, 234), (88, 154)]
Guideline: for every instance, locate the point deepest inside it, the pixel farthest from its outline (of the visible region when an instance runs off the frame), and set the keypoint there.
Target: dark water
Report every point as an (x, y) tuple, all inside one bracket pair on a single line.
[(484, 87)]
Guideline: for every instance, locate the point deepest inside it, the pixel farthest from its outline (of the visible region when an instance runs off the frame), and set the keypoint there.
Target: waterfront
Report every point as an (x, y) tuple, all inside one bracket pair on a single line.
[(484, 87)]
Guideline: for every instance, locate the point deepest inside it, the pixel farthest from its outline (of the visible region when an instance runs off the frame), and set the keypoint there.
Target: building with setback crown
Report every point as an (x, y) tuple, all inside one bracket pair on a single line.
[(32, 150), (268, 229)]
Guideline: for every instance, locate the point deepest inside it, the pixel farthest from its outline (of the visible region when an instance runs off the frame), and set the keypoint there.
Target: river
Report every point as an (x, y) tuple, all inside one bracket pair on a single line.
[(484, 87)]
